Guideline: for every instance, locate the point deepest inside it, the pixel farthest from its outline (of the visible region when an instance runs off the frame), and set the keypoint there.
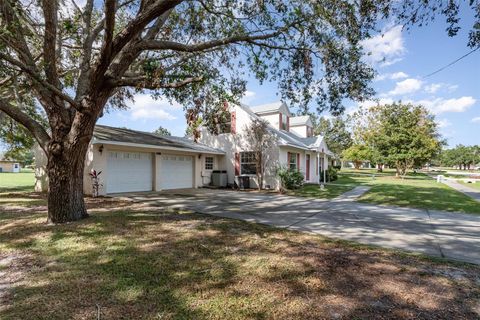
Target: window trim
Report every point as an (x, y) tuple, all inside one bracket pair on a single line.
[(294, 156), (251, 162), (207, 162)]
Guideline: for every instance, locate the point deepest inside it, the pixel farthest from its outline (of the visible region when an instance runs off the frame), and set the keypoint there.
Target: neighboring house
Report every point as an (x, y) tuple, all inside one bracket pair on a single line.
[(349, 164), (133, 161), (295, 146), (9, 166)]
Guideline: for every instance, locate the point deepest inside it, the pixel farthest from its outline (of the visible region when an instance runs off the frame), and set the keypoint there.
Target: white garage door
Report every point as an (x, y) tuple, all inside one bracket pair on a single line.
[(129, 172), (176, 172)]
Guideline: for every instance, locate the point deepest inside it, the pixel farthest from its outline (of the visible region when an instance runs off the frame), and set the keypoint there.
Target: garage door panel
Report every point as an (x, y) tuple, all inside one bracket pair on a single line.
[(129, 172), (176, 172)]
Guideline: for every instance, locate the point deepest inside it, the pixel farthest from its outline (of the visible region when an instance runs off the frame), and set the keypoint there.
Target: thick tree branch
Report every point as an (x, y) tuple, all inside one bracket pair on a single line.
[(146, 83), (49, 41), (130, 32), (176, 46), (33, 126), (37, 78)]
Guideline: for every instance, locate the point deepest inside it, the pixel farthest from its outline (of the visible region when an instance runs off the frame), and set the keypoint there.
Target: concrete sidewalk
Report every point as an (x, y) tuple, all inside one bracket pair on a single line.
[(442, 234)]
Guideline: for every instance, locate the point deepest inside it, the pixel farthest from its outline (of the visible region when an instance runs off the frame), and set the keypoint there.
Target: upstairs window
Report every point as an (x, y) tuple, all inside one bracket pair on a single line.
[(248, 164), (309, 132), (208, 163), (225, 125)]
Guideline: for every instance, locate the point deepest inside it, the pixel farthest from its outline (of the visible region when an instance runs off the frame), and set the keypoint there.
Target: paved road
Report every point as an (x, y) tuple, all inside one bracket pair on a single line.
[(451, 235)]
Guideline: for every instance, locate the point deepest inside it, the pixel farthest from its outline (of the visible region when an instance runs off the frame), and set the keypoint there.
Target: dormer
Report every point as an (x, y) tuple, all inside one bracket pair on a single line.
[(301, 126), (277, 114)]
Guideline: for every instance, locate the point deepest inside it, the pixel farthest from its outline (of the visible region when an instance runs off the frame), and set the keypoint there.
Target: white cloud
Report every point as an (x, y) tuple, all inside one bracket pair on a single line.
[(441, 105), (406, 86), (145, 107), (434, 87), (476, 119), (248, 96), (386, 48), (443, 123), (398, 75), (391, 76)]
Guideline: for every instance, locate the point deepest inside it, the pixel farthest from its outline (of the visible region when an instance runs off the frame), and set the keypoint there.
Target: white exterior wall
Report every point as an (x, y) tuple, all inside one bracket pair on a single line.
[(233, 143), (299, 130), (96, 160), (273, 119)]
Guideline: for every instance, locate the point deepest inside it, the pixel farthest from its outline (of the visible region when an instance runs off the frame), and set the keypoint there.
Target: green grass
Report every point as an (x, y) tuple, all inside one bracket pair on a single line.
[(14, 182), (136, 262), (471, 185), (415, 191), (314, 190)]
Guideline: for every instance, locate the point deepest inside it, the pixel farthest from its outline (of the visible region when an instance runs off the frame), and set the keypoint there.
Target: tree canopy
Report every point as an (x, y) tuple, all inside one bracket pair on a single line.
[(461, 156), (162, 131), (335, 132), (401, 135)]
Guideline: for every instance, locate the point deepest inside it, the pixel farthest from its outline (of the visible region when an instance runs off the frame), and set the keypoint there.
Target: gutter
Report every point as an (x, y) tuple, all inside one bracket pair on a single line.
[(150, 146)]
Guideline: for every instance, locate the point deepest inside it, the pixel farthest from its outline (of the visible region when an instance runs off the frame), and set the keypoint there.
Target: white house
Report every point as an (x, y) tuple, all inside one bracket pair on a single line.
[(134, 161), (295, 145)]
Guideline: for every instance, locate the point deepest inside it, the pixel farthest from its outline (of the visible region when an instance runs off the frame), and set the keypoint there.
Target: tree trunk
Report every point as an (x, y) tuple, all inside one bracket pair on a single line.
[(65, 168), (65, 196)]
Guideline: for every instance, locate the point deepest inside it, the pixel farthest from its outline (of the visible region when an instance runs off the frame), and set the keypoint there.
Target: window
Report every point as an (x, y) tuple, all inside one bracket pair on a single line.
[(247, 163), (225, 125), (16, 165), (284, 124), (292, 161), (208, 163)]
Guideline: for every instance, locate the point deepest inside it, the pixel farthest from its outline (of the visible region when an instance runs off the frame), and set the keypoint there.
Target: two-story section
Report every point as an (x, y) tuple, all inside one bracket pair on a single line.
[(295, 146)]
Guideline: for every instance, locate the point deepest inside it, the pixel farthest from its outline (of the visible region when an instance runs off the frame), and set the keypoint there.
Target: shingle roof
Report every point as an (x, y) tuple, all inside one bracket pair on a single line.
[(105, 133)]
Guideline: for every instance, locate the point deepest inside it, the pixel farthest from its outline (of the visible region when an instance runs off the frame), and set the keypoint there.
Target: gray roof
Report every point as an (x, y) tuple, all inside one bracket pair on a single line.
[(300, 120), (270, 107), (122, 135)]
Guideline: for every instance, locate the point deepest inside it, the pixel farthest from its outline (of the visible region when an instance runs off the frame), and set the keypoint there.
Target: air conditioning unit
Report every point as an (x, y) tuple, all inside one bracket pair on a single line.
[(219, 178)]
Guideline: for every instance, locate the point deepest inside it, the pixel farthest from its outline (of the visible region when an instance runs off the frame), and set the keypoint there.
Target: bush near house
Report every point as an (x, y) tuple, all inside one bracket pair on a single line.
[(290, 179), (332, 175)]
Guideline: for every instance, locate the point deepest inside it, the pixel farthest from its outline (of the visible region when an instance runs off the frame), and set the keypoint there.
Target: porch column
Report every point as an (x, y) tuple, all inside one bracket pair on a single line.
[(325, 165)]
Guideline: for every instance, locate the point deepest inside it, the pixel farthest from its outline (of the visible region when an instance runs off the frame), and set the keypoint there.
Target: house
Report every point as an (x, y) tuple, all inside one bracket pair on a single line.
[(295, 145), (134, 161), (9, 166)]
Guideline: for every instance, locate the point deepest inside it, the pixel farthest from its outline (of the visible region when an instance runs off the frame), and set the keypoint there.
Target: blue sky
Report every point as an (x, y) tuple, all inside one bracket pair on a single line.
[(402, 58)]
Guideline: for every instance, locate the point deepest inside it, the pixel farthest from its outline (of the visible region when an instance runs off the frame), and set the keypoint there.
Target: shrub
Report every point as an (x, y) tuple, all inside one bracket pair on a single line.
[(290, 179), (331, 175)]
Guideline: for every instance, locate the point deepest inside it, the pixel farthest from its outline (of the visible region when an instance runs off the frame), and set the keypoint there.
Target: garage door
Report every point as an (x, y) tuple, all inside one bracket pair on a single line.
[(176, 171), (129, 172)]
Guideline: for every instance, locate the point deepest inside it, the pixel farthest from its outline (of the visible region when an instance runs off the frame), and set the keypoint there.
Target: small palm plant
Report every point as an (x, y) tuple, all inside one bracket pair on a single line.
[(94, 175)]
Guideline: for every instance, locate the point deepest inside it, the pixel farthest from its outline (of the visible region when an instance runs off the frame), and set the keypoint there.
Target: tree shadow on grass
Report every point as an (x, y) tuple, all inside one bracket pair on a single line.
[(148, 265)]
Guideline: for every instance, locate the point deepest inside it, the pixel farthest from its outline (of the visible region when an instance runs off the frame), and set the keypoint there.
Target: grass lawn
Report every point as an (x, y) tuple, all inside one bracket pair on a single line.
[(471, 185), (415, 191), (313, 190), (22, 181), (137, 262)]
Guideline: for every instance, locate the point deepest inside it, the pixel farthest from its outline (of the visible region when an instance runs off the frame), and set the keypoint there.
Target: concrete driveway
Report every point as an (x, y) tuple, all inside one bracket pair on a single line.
[(451, 235)]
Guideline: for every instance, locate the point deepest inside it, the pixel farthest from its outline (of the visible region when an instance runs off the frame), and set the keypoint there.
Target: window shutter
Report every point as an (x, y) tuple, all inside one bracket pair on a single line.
[(279, 121), (298, 161), (288, 159), (288, 123), (237, 163), (316, 167), (233, 124)]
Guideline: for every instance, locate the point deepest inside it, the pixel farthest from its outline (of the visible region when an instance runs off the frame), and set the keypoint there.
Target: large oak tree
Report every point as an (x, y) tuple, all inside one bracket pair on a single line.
[(77, 60)]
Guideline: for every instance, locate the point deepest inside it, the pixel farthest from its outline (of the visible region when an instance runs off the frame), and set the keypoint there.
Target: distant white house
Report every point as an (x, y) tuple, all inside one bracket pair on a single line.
[(8, 165), (135, 161)]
